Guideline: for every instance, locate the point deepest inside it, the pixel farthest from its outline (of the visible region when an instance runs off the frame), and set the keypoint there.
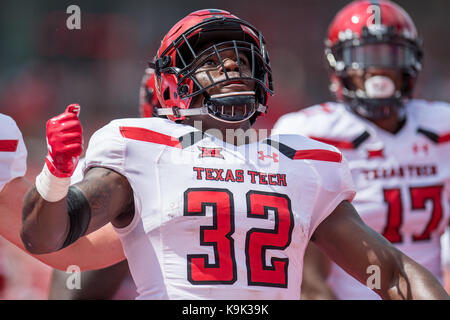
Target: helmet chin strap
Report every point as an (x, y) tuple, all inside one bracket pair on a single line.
[(222, 107)]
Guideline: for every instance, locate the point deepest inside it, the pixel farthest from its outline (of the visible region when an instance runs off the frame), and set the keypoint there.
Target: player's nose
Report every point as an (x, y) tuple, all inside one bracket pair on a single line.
[(230, 65)]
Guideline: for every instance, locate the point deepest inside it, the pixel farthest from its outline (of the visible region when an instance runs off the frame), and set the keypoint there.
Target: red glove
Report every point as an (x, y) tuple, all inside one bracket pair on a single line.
[(64, 142)]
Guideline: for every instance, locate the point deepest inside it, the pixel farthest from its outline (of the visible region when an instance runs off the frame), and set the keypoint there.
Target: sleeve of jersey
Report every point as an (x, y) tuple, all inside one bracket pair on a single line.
[(335, 186), (445, 249), (106, 149), (13, 153), (291, 123)]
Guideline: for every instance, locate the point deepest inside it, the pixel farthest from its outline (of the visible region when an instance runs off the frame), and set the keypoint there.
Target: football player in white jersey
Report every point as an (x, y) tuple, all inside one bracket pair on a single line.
[(397, 147), (445, 243), (13, 165), (13, 187), (201, 216)]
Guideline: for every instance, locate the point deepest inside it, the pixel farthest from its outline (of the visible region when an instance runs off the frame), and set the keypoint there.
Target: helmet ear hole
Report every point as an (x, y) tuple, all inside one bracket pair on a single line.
[(166, 94)]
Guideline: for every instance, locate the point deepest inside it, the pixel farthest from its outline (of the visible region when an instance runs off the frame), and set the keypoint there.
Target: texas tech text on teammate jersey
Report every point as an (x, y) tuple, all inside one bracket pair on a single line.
[(402, 180)]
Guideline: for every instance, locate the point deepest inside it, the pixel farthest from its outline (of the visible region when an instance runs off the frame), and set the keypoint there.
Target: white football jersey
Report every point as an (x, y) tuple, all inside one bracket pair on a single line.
[(216, 221), (77, 175), (445, 243), (402, 180), (13, 154)]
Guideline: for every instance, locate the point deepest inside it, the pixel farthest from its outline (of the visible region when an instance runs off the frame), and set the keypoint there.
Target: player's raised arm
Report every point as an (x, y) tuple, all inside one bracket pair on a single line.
[(372, 260), (54, 215)]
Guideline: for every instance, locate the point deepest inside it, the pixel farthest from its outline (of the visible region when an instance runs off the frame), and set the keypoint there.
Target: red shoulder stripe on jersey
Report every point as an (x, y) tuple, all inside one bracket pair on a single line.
[(8, 145), (435, 137), (444, 138), (321, 155), (344, 145), (146, 135), (336, 143)]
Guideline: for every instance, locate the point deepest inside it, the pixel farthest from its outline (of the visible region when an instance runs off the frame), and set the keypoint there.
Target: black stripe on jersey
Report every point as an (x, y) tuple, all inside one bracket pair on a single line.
[(290, 153), (358, 141), (191, 138), (284, 149), (430, 135)]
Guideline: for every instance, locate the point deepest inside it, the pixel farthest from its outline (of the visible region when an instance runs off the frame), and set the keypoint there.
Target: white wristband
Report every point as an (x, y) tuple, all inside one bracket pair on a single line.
[(51, 188)]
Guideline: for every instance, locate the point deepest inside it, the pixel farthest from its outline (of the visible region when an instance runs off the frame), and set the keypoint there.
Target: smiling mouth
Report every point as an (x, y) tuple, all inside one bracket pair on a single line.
[(234, 85), (234, 82)]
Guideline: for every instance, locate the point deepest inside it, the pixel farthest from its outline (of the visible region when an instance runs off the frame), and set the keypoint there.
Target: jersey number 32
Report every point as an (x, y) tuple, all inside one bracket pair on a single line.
[(219, 235)]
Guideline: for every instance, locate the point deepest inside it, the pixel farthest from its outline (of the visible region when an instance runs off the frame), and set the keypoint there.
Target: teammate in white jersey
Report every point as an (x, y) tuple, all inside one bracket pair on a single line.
[(397, 147), (445, 243), (201, 216), (13, 187)]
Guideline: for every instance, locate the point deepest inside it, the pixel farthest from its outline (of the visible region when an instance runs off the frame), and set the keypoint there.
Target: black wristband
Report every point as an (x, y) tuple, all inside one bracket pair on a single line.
[(79, 214)]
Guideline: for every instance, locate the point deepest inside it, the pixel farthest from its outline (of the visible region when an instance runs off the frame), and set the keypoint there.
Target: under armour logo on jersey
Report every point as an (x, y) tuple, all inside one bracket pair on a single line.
[(210, 152), (421, 148), (262, 156), (375, 153)]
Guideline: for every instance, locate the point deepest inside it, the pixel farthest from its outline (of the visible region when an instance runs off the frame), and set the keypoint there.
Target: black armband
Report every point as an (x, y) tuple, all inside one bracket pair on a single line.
[(79, 214)]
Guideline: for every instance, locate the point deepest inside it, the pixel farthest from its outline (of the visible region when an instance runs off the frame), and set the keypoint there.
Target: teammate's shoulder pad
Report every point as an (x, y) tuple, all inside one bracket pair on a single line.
[(299, 147), (432, 119), (8, 127)]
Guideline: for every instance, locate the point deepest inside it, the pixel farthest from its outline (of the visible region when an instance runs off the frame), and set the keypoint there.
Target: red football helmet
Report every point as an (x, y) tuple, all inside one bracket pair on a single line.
[(179, 57), (148, 101), (367, 35)]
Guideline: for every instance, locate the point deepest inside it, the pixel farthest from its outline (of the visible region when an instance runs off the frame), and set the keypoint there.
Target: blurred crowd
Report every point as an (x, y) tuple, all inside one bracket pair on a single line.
[(45, 66)]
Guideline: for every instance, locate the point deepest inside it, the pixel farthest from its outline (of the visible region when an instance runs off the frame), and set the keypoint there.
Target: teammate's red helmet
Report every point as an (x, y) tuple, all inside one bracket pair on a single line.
[(179, 56), (148, 101), (374, 34)]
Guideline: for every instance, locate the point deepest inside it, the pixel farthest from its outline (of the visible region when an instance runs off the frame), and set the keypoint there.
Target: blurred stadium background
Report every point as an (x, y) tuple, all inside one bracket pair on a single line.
[(44, 67)]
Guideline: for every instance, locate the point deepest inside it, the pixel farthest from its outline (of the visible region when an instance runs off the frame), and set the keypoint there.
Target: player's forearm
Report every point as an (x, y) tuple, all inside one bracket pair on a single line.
[(411, 281), (45, 225)]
